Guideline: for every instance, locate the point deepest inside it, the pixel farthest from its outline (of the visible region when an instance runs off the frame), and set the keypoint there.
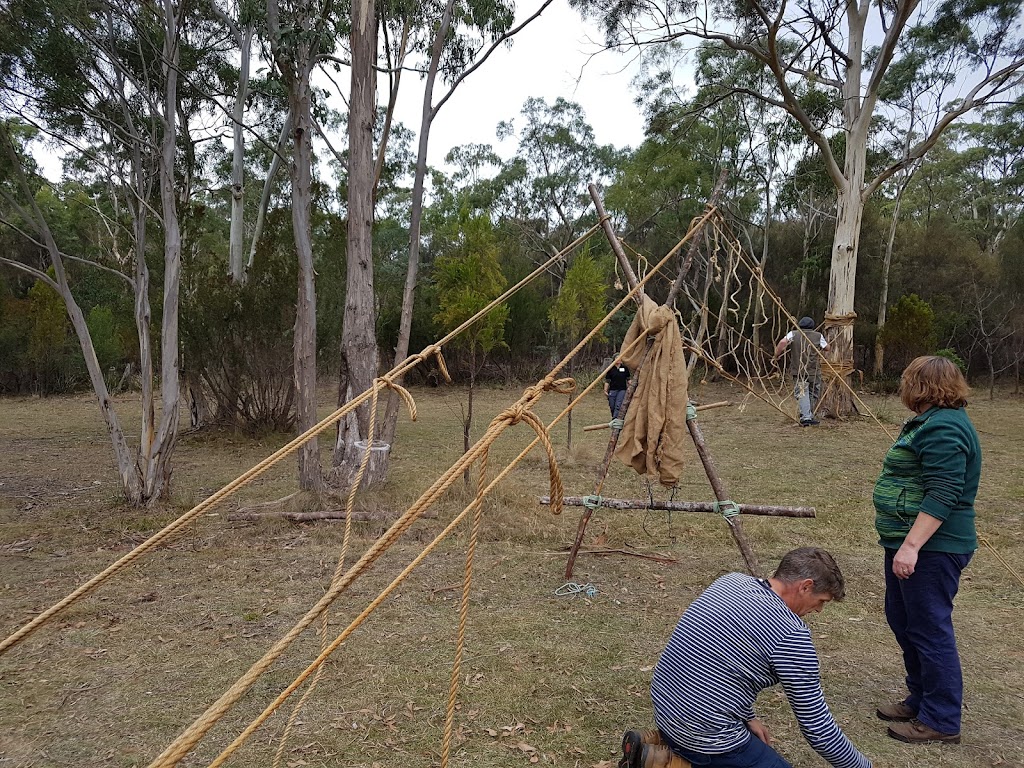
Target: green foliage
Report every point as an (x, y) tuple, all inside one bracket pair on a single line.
[(105, 339), (48, 340), (468, 277), (953, 357), (238, 339), (909, 331), (581, 303)]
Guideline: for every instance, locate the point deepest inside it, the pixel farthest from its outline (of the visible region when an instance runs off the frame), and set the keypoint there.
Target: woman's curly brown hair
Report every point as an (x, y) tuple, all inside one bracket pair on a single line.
[(930, 380)]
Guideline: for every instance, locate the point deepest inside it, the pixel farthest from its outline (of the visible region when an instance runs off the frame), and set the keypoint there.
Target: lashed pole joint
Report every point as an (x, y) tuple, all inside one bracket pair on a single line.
[(735, 526)]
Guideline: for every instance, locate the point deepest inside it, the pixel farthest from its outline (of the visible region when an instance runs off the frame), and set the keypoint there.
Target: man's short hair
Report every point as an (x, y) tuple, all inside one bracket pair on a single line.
[(815, 564), (806, 323)]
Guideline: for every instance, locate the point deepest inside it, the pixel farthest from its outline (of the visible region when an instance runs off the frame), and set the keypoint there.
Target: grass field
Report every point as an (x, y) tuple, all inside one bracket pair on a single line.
[(547, 679)]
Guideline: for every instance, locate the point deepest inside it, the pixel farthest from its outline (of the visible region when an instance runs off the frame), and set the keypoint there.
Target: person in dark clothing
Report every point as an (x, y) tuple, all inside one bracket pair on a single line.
[(924, 515), (615, 382), (804, 366)]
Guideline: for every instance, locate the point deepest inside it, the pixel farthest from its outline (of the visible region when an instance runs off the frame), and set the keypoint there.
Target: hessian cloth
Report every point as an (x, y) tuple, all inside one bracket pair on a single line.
[(654, 434)]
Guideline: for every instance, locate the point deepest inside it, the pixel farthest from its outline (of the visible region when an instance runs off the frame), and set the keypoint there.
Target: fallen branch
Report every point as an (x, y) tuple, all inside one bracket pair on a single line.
[(327, 514)]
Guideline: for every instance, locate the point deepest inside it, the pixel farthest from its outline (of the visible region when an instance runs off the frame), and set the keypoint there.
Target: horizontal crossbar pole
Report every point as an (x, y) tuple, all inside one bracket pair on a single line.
[(770, 510)]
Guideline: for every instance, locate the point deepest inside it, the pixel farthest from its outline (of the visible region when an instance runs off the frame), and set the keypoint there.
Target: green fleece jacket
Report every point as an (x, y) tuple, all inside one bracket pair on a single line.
[(933, 467)]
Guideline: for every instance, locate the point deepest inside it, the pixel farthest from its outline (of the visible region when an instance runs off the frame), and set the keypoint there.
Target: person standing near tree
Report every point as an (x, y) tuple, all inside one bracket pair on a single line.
[(924, 515), (616, 379), (804, 366)]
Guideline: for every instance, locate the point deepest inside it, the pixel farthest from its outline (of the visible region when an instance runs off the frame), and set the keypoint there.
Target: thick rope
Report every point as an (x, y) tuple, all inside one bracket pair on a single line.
[(184, 743), (502, 420), (460, 638), (340, 566), (515, 413), (397, 372)]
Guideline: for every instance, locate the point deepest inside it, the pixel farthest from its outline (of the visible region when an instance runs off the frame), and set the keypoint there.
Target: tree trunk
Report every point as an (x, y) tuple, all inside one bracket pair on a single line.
[(358, 336), (883, 299), (837, 401), (415, 219), (236, 250), (131, 482), (759, 318), (300, 98)]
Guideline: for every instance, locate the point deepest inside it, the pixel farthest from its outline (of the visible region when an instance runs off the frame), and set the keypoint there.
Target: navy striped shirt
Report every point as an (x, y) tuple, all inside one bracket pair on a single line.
[(735, 640)]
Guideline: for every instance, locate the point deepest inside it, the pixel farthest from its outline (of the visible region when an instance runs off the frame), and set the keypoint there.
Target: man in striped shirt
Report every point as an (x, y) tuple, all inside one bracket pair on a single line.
[(738, 638)]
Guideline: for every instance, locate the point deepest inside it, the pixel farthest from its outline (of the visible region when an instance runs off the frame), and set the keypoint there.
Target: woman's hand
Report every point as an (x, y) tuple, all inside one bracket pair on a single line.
[(905, 561), (760, 730)]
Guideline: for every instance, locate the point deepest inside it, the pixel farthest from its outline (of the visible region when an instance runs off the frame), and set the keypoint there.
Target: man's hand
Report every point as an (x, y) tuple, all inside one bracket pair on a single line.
[(760, 730)]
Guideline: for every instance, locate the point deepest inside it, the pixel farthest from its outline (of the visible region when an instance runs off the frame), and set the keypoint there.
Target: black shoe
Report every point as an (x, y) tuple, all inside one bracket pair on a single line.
[(632, 747), (809, 422)]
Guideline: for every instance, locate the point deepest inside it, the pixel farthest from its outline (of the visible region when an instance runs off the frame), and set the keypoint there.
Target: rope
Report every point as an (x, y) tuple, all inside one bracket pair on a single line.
[(454, 471), (592, 502), (571, 589), (691, 411), (984, 540), (617, 423), (434, 350), (727, 508), (515, 413)]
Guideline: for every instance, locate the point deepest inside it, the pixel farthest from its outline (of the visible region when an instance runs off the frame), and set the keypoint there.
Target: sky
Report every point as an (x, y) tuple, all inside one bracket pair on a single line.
[(552, 57)]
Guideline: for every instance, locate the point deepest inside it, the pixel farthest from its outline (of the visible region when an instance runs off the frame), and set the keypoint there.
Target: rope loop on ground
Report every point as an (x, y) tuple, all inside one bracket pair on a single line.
[(727, 508), (571, 588)]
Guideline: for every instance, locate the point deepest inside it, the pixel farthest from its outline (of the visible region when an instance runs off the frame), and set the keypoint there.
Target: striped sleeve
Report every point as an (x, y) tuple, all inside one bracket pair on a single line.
[(796, 664)]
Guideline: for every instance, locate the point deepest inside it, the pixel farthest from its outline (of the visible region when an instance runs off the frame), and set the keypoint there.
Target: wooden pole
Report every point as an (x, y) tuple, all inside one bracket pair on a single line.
[(684, 268), (768, 510), (719, 488), (602, 472)]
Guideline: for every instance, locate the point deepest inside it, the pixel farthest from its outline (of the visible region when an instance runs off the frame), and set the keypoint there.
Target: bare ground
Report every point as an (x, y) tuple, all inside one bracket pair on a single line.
[(547, 679)]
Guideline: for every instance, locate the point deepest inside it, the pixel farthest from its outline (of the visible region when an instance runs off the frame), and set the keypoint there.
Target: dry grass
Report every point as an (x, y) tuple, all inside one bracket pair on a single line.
[(547, 679)]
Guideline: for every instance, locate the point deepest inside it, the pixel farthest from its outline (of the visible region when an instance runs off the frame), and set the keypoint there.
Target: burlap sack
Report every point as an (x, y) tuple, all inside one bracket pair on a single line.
[(654, 434)]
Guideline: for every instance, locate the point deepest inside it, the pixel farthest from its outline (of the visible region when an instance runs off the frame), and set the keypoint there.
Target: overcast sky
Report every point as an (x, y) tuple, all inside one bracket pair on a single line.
[(552, 57)]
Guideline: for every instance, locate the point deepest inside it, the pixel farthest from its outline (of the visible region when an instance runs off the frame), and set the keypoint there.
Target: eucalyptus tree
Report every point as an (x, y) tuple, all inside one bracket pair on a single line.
[(544, 186), (460, 36), (102, 81), (828, 44), (240, 17)]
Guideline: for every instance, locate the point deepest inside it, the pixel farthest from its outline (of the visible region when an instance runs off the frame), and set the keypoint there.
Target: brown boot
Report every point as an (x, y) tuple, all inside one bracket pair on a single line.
[(916, 732), (632, 745), (660, 756), (897, 712)]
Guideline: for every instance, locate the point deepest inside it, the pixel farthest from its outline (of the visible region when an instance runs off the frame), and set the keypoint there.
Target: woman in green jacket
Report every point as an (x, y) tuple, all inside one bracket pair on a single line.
[(924, 515)]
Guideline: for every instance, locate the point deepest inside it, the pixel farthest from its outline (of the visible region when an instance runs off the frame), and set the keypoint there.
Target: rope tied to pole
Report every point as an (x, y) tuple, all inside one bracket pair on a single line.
[(592, 502), (691, 411), (727, 509), (616, 423)]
